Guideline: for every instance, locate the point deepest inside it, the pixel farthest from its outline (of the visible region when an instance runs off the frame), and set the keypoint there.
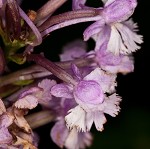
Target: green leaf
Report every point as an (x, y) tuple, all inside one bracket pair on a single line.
[(23, 82), (19, 59)]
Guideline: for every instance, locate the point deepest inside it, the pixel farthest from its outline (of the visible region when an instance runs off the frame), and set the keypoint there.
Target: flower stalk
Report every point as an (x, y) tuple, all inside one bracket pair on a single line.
[(66, 16), (53, 68), (38, 119), (48, 9)]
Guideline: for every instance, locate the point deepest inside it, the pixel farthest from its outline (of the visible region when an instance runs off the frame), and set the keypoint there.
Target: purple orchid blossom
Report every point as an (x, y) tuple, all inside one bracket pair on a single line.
[(113, 16), (68, 139), (101, 58), (89, 93)]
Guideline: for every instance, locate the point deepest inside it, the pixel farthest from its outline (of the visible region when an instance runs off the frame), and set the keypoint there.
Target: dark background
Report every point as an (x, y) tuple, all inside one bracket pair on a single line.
[(131, 128)]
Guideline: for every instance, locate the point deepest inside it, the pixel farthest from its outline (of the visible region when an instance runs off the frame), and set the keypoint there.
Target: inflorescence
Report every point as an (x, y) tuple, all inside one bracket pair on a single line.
[(75, 92)]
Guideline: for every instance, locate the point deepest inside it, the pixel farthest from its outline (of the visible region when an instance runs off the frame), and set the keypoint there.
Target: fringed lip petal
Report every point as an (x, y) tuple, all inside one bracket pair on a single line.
[(126, 40), (27, 102)]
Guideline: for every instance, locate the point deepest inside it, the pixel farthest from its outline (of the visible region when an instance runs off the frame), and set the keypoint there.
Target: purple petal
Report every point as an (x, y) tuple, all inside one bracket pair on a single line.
[(76, 71), (6, 120), (118, 10), (106, 81), (85, 139), (89, 92), (102, 38), (61, 90), (68, 104), (32, 90), (46, 85), (93, 29), (108, 58), (59, 133), (77, 4), (5, 136), (35, 139), (116, 64), (73, 50)]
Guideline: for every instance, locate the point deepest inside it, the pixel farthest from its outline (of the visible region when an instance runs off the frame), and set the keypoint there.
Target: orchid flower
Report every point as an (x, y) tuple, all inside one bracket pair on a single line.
[(122, 37)]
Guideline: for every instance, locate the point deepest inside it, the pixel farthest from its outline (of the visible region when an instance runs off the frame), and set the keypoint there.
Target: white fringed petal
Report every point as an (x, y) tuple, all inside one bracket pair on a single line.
[(115, 43), (112, 105), (27, 102), (89, 120), (76, 118), (99, 120), (131, 25), (123, 40), (129, 38)]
